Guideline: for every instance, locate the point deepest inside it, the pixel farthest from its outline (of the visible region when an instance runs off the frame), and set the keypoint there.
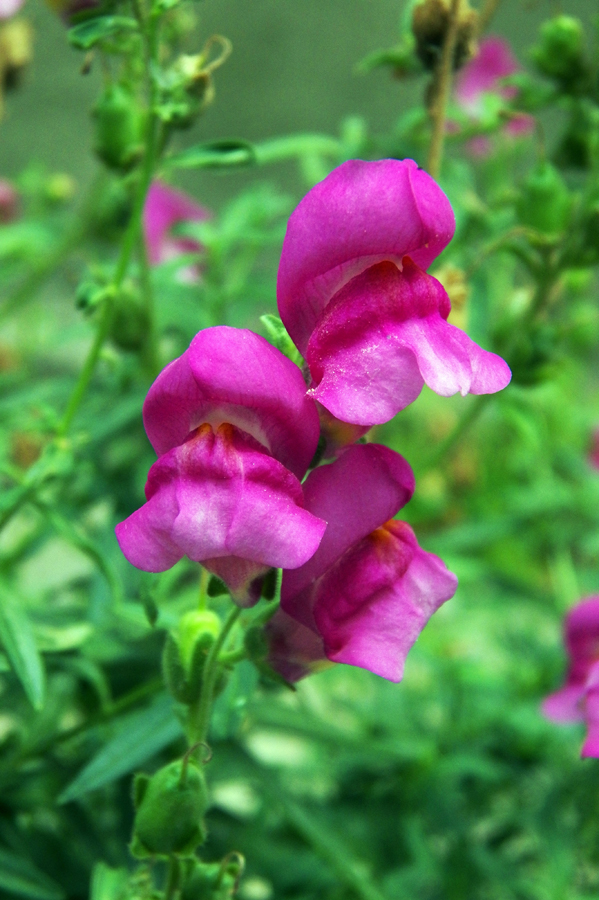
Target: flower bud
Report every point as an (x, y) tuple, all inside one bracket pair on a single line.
[(130, 322), (119, 125), (430, 22), (170, 810), (16, 50), (545, 200), (198, 626), (560, 51)]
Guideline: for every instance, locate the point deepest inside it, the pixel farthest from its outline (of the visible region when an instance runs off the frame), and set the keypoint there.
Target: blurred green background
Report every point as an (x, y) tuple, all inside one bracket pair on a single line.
[(292, 69)]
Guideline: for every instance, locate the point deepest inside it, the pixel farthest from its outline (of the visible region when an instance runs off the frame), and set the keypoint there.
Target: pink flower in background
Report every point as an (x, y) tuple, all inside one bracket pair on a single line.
[(483, 75), (355, 299), (369, 589), (235, 431), (164, 208), (9, 202), (9, 8), (578, 699)]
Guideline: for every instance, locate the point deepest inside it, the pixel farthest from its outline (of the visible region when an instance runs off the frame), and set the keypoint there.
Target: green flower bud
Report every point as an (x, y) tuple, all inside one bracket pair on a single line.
[(170, 810), (198, 625), (119, 127), (545, 202), (130, 322), (560, 51)]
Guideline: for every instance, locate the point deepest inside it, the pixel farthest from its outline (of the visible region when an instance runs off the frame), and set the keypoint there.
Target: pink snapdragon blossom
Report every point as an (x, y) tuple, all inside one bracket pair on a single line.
[(594, 451), (369, 589), (294, 650), (578, 699), (164, 208), (234, 431), (483, 75), (356, 300)]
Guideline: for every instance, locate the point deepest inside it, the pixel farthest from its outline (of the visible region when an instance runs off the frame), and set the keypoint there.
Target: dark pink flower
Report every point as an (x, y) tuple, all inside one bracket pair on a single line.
[(294, 650), (369, 589), (578, 699), (164, 208), (235, 431), (483, 75), (355, 299)]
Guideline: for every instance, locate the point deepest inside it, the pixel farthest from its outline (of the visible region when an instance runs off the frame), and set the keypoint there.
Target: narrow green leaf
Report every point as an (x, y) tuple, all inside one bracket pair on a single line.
[(277, 335), (214, 155), (19, 876), (137, 737), (86, 34), (16, 635)]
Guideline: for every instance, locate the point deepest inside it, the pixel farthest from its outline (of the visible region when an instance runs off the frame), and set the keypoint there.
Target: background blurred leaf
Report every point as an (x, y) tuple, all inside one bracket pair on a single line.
[(18, 639), (19, 876), (138, 736)]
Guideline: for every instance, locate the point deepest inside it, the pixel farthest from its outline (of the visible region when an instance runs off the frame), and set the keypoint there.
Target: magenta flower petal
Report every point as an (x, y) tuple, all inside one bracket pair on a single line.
[(369, 589), (233, 375), (383, 336), (165, 207), (591, 714), (294, 650), (594, 450), (372, 605), (565, 705), (361, 214), (218, 496), (364, 488)]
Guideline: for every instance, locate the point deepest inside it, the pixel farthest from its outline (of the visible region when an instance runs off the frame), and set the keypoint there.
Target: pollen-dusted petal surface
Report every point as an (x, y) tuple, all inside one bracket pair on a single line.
[(164, 208), (373, 603), (362, 213), (233, 375), (383, 336), (365, 487), (218, 496)]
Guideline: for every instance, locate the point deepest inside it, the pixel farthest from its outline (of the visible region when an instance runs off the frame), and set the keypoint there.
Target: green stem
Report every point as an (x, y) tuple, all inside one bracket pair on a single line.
[(149, 31), (173, 878), (442, 90), (201, 711)]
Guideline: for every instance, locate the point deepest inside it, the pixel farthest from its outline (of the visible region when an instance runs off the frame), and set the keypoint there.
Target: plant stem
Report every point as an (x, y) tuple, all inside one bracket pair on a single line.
[(173, 878), (149, 31), (442, 90), (200, 712)]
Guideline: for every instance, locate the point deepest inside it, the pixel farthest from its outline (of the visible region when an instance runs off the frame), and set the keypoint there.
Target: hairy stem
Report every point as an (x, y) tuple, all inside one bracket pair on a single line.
[(442, 90), (200, 712)]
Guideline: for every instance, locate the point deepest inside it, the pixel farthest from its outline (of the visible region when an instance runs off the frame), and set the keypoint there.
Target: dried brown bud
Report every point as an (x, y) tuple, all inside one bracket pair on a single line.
[(430, 22)]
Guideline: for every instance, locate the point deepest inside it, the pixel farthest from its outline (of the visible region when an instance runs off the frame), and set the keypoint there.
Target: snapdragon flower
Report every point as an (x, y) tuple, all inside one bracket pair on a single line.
[(578, 699), (483, 75), (356, 300), (164, 208), (368, 591), (235, 432)]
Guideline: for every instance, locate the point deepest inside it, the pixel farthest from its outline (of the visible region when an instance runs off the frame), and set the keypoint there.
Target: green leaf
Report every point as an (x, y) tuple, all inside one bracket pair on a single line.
[(276, 333), (86, 34), (138, 736), (16, 635), (19, 876), (214, 155)]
